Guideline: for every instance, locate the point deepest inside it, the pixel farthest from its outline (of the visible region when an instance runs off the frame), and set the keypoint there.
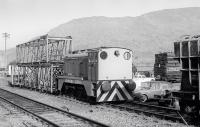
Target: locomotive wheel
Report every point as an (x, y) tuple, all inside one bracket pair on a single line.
[(80, 93), (77, 92), (67, 90), (70, 92), (92, 100)]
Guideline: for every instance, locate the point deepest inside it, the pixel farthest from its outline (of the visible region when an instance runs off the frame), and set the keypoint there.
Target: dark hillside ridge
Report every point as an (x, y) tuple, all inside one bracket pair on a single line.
[(146, 35)]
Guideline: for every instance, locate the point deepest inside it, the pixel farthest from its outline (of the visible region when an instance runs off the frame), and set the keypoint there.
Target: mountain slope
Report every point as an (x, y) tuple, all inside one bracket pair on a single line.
[(11, 56), (146, 34)]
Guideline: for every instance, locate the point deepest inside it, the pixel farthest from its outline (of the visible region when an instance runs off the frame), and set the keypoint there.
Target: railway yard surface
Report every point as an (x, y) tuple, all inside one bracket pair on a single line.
[(11, 117)]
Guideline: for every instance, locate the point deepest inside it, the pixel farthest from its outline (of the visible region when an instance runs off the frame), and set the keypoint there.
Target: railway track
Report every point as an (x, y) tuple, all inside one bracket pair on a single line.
[(16, 117), (151, 110), (50, 116)]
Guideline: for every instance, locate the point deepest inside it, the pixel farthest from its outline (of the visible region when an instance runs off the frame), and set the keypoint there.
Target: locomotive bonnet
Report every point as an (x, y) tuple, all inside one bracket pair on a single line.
[(103, 74)]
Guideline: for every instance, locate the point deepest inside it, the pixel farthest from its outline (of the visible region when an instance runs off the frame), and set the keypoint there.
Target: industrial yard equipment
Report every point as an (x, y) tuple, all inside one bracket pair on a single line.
[(39, 61), (167, 68), (100, 74), (187, 52)]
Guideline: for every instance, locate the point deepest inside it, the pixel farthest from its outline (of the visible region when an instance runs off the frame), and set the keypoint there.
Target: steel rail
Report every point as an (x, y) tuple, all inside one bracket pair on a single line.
[(150, 110), (35, 115), (75, 116)]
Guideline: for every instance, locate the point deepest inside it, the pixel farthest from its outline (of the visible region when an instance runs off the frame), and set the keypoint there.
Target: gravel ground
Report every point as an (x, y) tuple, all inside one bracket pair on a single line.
[(110, 116)]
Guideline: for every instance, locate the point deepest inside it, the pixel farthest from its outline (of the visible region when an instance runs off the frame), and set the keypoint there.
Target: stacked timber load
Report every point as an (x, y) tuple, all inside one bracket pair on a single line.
[(166, 67)]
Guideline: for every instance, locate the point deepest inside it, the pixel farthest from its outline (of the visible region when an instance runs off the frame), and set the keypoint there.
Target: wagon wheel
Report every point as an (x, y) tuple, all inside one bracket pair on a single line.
[(143, 98), (186, 107)]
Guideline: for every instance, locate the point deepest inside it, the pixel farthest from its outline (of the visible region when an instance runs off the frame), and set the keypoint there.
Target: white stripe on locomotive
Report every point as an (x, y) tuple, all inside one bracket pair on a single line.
[(124, 90), (115, 92), (103, 96)]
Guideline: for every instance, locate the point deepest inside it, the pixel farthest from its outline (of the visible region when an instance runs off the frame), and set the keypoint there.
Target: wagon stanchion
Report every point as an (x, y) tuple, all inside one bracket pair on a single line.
[(37, 59)]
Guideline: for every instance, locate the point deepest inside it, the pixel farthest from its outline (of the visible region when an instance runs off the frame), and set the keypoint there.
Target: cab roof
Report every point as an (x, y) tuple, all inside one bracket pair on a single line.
[(96, 49)]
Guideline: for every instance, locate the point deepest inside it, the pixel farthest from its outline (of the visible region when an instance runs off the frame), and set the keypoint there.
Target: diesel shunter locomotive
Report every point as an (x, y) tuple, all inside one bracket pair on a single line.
[(102, 74)]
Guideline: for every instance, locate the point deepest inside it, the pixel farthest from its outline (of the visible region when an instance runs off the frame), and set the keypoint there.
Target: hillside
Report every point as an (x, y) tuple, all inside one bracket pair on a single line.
[(146, 34), (11, 56)]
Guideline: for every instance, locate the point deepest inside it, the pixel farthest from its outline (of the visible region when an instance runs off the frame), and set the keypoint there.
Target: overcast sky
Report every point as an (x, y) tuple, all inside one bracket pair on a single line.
[(25, 19)]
